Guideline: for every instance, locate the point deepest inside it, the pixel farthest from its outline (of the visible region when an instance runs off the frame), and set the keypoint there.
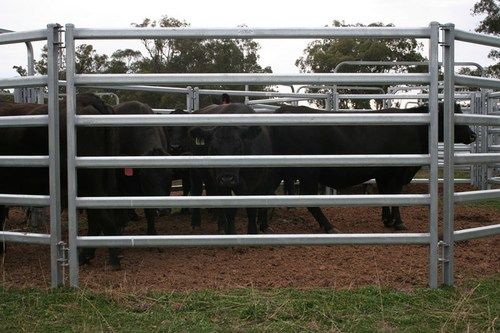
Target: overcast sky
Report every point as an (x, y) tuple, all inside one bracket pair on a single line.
[(21, 15)]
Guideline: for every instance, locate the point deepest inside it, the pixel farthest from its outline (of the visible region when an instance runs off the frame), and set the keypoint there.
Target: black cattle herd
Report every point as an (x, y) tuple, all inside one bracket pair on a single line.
[(211, 141)]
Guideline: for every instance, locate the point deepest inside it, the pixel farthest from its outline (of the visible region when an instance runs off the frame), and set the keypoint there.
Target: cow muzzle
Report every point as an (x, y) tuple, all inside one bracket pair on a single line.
[(227, 180)]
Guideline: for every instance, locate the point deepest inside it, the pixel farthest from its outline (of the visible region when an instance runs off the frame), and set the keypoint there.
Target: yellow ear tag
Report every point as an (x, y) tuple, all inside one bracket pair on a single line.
[(199, 141)]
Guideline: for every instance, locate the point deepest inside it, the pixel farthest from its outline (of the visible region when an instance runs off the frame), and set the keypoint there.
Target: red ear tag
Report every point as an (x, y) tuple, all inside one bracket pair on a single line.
[(129, 172)]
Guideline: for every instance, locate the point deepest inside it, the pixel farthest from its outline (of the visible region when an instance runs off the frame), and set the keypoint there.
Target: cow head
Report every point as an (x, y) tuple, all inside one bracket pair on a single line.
[(463, 133), (177, 137), (155, 181), (225, 140)]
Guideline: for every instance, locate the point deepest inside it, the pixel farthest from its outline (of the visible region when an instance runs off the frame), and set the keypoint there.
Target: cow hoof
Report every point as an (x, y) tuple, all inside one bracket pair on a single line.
[(388, 222), (114, 267), (400, 226)]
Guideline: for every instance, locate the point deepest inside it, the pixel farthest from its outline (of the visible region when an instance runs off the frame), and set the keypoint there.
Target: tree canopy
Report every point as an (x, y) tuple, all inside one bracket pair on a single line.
[(490, 25), (167, 56)]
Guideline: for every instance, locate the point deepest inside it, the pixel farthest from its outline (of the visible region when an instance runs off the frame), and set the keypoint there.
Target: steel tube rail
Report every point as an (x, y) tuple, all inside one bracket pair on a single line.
[(259, 93), (252, 240), (449, 137), (253, 201), (157, 89), (278, 100), (24, 121), (24, 237), (24, 161), (395, 96), (244, 78), (476, 195), (254, 33), (461, 158), (23, 36), (475, 38), (24, 200), (24, 81), (474, 81), (251, 161), (71, 153), (254, 119), (433, 152), (53, 44), (466, 234), (477, 119)]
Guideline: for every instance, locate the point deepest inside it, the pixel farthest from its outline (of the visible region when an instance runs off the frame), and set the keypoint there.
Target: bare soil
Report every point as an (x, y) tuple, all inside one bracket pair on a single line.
[(339, 267)]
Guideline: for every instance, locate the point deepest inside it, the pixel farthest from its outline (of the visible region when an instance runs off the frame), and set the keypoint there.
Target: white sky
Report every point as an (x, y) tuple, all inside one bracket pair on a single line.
[(21, 15)]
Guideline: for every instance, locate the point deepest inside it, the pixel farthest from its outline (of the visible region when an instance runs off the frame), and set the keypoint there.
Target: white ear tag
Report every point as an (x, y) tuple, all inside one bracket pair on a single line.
[(199, 141)]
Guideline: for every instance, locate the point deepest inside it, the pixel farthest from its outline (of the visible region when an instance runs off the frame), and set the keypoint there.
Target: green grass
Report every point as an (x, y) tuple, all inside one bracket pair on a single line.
[(474, 308), (489, 203)]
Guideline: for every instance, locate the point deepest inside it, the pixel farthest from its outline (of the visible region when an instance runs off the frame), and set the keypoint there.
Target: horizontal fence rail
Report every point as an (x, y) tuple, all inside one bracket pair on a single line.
[(253, 240), (24, 81), (24, 121), (25, 237), (254, 119), (24, 161), (258, 33), (252, 161), (23, 36), (466, 234), (254, 201), (476, 195), (24, 200), (244, 78)]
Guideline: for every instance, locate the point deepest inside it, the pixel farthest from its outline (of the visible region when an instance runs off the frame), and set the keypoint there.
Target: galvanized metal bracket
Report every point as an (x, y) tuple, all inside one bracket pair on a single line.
[(63, 253), (441, 248)]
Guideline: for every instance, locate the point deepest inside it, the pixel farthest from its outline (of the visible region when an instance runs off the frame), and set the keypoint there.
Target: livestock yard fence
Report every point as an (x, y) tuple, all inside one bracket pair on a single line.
[(485, 157)]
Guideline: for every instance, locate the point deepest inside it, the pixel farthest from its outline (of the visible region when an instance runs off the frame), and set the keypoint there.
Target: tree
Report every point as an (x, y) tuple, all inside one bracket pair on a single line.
[(490, 25), (167, 56), (322, 56), (195, 56)]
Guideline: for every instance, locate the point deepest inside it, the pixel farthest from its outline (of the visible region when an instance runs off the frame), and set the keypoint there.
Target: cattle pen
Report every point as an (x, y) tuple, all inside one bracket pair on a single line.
[(440, 252)]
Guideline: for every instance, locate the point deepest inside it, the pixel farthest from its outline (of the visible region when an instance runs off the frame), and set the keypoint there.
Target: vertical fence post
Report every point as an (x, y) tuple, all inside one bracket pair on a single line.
[(433, 151), (71, 142), (56, 255), (449, 140)]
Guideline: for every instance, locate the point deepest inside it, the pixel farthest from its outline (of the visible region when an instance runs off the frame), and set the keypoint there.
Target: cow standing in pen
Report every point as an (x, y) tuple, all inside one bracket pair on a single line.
[(233, 140), (142, 141), (360, 140), (91, 141)]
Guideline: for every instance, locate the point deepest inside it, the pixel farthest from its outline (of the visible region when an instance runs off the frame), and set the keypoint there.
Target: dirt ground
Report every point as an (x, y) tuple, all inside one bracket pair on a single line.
[(339, 267)]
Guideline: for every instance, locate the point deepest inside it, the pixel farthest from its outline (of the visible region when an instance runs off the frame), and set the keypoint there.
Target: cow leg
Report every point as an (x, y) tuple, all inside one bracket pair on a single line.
[(109, 228), (387, 217), (309, 185), (252, 220), (93, 229), (391, 217), (230, 214), (150, 218), (396, 216), (262, 219), (196, 190), (186, 188)]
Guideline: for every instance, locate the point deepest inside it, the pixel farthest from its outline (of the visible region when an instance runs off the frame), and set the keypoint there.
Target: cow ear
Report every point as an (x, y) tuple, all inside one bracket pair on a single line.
[(251, 132), (200, 135)]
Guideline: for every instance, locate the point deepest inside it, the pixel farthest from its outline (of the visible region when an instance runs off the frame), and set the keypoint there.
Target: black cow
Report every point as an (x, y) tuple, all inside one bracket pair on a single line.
[(178, 143), (91, 141), (233, 140), (142, 141), (357, 139)]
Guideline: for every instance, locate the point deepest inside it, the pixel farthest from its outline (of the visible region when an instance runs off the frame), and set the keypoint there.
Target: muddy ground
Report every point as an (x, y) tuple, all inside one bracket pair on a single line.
[(340, 267)]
